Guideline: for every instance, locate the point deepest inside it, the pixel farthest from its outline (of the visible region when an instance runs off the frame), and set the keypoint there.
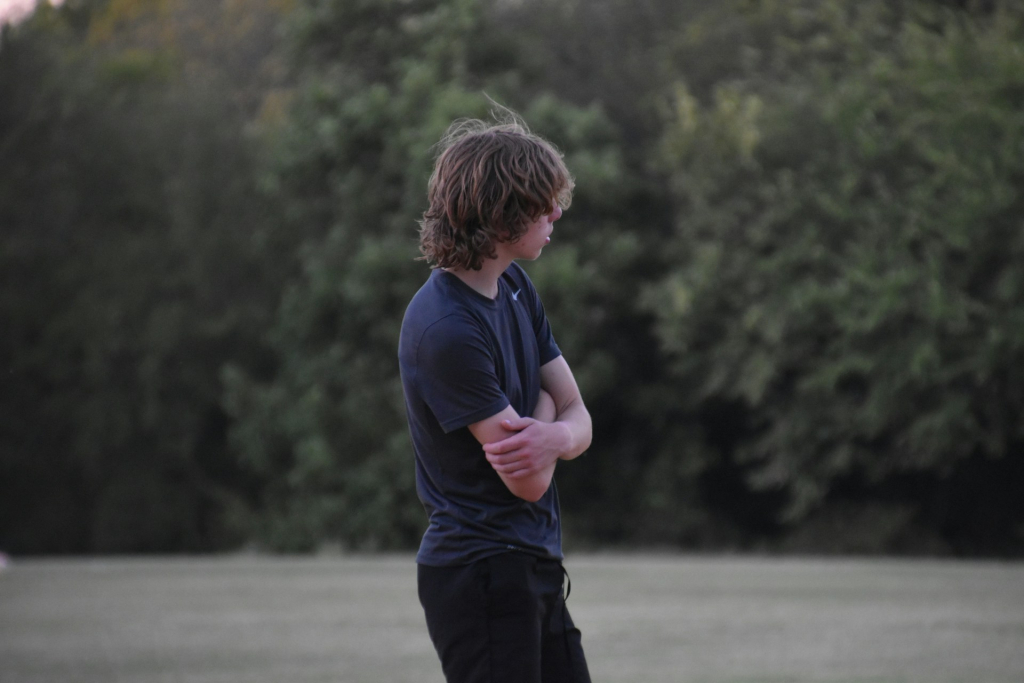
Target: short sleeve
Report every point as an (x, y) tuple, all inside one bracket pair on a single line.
[(546, 345), (456, 374)]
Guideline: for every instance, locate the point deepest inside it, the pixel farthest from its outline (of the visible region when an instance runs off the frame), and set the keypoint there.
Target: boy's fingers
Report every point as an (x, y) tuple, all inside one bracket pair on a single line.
[(504, 446), (517, 424), (515, 469), (504, 458)]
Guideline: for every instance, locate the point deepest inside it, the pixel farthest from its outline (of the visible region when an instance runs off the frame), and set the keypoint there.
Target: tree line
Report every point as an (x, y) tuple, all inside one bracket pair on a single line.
[(788, 283)]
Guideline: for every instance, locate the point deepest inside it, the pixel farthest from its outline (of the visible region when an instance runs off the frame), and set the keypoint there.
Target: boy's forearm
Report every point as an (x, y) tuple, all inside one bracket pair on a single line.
[(576, 419), (545, 410), (525, 460), (572, 414)]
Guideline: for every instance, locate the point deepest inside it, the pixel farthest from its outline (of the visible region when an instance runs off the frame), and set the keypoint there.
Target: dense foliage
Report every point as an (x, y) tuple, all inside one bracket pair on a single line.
[(848, 233), (786, 284)]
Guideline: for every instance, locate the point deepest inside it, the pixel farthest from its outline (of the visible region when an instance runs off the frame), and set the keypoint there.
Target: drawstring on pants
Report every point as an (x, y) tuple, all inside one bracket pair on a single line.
[(565, 623)]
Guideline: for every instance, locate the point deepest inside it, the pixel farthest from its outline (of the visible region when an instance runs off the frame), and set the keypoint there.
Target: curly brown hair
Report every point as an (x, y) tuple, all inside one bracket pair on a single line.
[(490, 181)]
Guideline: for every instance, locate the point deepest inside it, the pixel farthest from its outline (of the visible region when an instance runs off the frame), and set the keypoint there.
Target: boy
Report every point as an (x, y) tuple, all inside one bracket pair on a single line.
[(492, 407)]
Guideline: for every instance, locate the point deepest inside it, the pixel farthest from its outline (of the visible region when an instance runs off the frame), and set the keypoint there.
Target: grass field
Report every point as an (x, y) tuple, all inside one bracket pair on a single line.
[(644, 619)]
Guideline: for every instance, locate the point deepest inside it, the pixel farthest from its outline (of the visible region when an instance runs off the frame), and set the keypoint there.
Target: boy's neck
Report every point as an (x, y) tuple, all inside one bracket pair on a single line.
[(485, 280)]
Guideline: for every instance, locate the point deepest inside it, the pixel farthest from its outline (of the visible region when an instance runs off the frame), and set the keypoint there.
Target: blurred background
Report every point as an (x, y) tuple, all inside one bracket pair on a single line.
[(790, 283)]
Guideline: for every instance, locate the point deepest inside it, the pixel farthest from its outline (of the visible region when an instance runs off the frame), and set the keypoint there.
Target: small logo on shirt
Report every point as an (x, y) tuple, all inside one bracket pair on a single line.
[(515, 296)]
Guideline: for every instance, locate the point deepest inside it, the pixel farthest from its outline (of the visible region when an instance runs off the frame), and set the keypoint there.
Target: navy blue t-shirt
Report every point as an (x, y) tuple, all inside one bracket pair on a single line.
[(465, 357)]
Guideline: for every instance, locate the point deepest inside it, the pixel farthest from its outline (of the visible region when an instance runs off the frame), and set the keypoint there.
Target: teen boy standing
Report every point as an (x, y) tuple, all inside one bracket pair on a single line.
[(492, 408)]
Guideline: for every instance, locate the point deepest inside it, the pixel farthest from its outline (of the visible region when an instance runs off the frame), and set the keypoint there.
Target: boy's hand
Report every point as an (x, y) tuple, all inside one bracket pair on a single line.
[(532, 447)]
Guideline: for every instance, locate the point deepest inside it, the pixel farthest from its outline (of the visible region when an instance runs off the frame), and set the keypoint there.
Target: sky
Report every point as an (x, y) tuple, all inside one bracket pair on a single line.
[(12, 10)]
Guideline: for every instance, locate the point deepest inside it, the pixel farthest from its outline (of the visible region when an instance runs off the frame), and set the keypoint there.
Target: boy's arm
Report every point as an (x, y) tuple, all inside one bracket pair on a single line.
[(529, 447), (532, 487), (557, 379), (545, 410)]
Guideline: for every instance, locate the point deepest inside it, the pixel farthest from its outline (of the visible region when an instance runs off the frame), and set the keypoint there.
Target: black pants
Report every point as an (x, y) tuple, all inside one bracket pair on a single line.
[(502, 619)]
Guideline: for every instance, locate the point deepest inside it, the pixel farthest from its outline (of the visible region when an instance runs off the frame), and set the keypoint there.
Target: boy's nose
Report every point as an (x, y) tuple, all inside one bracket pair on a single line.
[(556, 214)]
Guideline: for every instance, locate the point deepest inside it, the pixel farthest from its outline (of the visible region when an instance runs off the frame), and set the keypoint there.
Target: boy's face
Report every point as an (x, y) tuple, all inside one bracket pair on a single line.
[(536, 237)]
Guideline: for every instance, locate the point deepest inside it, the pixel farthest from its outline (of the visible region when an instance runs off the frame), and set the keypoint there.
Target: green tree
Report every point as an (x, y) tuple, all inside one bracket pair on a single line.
[(847, 292), (327, 429), (130, 274)]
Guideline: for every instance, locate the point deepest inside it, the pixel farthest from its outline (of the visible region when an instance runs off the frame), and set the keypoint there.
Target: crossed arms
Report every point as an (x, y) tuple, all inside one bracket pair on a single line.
[(524, 450)]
